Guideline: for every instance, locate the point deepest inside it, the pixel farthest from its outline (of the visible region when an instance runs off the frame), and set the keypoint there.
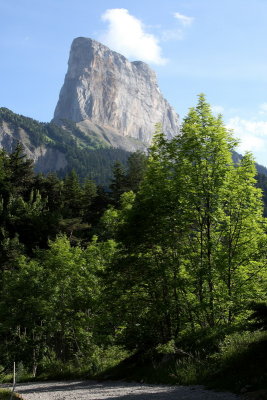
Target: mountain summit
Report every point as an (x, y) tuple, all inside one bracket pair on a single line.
[(103, 89)]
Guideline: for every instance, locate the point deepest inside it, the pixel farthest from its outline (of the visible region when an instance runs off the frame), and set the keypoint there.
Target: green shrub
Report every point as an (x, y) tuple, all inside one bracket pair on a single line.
[(187, 370), (203, 340), (5, 395), (237, 344), (167, 348), (87, 366), (241, 361)]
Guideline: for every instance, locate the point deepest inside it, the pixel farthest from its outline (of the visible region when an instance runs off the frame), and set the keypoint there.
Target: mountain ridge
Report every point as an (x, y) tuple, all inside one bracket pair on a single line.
[(57, 137), (57, 149)]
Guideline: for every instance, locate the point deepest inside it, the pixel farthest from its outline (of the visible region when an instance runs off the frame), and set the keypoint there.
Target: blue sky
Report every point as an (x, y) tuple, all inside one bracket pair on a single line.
[(211, 46)]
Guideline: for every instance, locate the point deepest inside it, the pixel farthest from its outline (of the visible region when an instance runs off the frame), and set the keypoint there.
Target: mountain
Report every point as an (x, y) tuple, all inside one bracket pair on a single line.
[(107, 107), (104, 91), (59, 149)]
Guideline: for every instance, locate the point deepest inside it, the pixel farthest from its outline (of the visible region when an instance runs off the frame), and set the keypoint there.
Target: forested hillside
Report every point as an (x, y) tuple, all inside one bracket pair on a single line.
[(88, 155), (165, 271)]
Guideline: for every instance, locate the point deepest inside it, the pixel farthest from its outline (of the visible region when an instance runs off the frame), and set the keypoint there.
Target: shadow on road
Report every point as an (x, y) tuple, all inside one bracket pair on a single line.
[(93, 390)]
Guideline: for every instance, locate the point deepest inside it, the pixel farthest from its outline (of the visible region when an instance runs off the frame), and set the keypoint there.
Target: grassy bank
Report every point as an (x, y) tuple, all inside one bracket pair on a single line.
[(217, 359), (238, 361), (6, 394)]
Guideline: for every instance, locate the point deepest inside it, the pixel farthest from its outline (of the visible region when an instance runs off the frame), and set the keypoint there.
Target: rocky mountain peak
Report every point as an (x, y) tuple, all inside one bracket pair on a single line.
[(104, 88)]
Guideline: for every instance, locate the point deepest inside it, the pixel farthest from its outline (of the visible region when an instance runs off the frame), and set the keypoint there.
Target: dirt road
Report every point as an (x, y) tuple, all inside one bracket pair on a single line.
[(92, 390)]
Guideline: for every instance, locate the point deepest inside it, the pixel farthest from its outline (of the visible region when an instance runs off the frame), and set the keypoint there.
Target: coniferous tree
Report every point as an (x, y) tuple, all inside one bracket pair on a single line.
[(136, 166), (72, 194), (118, 183), (21, 170), (89, 193)]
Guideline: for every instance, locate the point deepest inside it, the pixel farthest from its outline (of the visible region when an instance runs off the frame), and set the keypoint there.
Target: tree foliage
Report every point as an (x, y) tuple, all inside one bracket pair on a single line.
[(195, 238), (181, 246)]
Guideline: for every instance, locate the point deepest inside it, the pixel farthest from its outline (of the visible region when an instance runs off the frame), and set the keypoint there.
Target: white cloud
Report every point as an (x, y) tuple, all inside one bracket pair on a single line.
[(250, 131), (217, 109), (252, 134), (185, 21), (263, 108), (126, 34)]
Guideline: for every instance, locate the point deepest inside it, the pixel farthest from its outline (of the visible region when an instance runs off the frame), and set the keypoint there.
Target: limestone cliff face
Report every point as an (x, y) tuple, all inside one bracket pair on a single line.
[(103, 87)]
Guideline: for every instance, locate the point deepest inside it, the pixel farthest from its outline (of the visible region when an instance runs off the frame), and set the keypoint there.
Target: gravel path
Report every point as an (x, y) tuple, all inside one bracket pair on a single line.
[(92, 390)]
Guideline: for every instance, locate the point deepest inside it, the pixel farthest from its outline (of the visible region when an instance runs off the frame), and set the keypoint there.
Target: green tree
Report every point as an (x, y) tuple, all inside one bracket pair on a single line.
[(51, 306), (50, 188), (118, 183), (21, 170), (89, 194), (195, 237), (147, 276), (136, 166), (214, 195), (72, 195)]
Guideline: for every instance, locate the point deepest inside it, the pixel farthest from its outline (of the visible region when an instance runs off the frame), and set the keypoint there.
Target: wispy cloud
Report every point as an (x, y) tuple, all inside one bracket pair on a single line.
[(185, 21), (252, 134), (177, 33), (263, 108), (127, 35), (217, 109), (172, 34)]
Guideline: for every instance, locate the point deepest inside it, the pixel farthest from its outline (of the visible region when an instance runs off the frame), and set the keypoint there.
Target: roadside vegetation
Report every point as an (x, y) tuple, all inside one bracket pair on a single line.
[(5, 394)]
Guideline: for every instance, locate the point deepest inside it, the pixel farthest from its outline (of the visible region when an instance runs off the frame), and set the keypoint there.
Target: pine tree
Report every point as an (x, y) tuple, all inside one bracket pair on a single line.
[(21, 170), (118, 183), (136, 166), (72, 194), (89, 193)]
